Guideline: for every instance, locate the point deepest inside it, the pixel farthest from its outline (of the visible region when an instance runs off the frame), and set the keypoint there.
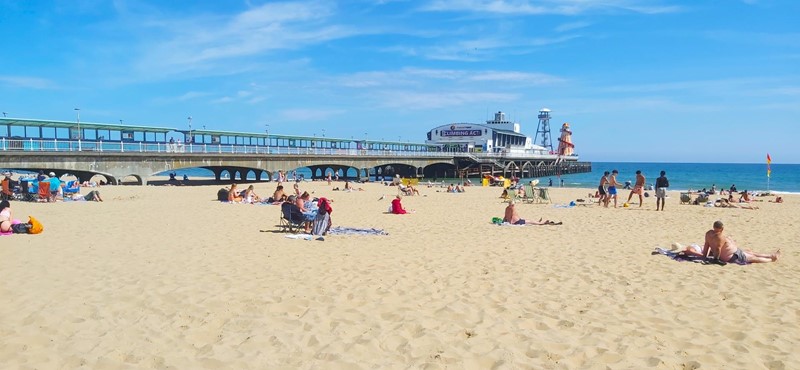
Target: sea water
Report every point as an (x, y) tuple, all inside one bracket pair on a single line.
[(693, 176), (682, 176)]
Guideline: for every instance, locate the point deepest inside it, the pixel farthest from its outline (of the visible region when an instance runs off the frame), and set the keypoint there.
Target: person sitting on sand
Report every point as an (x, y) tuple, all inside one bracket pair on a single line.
[(397, 207), (512, 217), (278, 195), (93, 196), (505, 194), (744, 197), (778, 200), (233, 194), (725, 249), (250, 195), (5, 216), (296, 188)]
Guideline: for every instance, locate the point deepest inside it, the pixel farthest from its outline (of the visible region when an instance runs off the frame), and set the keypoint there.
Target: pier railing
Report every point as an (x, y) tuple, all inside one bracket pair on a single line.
[(55, 145)]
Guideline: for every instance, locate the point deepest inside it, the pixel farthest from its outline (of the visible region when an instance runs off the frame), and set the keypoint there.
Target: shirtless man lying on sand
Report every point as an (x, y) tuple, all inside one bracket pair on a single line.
[(512, 217), (725, 249)]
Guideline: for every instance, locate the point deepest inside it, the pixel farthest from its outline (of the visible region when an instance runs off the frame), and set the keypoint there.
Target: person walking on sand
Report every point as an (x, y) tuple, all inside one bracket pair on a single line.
[(724, 248), (661, 190), (638, 188), (612, 188), (602, 189)]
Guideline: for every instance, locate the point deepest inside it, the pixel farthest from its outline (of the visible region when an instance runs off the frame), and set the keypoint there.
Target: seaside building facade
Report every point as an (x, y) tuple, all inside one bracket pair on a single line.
[(498, 135)]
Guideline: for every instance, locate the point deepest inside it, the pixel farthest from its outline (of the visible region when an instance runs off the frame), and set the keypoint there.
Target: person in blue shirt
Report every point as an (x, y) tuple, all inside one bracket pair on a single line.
[(55, 186)]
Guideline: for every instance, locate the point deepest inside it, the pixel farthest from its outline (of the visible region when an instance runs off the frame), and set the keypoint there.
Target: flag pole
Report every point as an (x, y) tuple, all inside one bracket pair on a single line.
[(769, 171)]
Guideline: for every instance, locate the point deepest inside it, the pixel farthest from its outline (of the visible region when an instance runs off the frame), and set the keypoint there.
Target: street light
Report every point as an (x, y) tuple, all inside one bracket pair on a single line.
[(266, 140), (5, 114), (189, 139), (323, 132), (78, 118)]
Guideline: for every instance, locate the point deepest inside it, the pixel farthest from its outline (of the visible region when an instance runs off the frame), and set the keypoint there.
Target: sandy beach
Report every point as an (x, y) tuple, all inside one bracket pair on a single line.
[(166, 277)]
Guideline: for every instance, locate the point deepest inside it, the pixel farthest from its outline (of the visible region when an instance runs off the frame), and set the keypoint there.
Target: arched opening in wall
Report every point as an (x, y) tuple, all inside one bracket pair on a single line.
[(225, 175), (351, 173), (126, 180), (264, 175)]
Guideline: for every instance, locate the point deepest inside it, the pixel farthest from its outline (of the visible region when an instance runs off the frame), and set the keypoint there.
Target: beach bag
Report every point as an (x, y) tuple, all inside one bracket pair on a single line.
[(20, 228), (36, 226), (497, 220), (222, 195)]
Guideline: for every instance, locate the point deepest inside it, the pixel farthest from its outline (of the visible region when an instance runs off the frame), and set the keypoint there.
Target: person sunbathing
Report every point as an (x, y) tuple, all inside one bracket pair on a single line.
[(724, 203), (725, 249), (512, 217)]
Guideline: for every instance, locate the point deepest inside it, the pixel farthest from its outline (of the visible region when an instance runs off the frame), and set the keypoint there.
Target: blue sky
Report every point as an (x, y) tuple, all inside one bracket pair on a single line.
[(638, 80)]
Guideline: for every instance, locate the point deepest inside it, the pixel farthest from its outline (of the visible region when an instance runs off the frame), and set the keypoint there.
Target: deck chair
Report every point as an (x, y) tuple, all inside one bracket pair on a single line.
[(71, 188), (543, 195), (512, 197), (44, 191), (530, 194), (25, 191), (292, 220), (6, 193)]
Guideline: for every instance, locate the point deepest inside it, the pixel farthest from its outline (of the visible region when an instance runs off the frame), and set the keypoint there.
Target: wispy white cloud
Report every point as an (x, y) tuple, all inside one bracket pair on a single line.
[(205, 42), (28, 82), (543, 7), (425, 77)]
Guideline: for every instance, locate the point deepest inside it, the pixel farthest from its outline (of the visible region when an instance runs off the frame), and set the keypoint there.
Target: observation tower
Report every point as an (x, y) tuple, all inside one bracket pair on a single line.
[(543, 128)]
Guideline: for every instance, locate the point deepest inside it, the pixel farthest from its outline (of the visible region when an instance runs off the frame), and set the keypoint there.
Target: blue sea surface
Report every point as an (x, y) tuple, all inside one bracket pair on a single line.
[(682, 176), (695, 176)]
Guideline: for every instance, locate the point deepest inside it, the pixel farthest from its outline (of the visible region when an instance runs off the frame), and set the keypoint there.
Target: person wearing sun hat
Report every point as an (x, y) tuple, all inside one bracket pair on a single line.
[(55, 186)]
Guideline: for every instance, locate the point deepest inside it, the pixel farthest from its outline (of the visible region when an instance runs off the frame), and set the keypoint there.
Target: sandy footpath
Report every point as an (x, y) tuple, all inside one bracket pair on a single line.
[(165, 277)]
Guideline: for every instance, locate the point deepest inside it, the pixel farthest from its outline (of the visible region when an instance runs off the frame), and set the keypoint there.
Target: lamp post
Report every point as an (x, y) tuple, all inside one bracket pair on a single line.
[(266, 140), (189, 139), (78, 119), (5, 114), (323, 132)]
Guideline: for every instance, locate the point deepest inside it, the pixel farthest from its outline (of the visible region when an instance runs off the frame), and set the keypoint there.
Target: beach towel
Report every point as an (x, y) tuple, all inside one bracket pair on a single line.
[(305, 237), (339, 230), (677, 256)]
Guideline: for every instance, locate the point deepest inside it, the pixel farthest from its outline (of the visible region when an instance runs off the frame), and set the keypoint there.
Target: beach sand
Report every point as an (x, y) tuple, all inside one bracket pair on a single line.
[(165, 277)]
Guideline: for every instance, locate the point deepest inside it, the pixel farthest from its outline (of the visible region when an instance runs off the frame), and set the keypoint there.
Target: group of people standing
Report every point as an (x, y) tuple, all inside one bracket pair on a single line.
[(608, 189)]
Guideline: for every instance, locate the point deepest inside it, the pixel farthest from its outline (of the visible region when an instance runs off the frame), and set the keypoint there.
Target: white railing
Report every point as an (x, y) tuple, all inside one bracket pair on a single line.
[(55, 145)]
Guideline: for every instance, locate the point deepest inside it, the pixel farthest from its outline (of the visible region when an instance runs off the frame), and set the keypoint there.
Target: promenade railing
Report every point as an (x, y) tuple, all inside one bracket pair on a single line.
[(55, 145)]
